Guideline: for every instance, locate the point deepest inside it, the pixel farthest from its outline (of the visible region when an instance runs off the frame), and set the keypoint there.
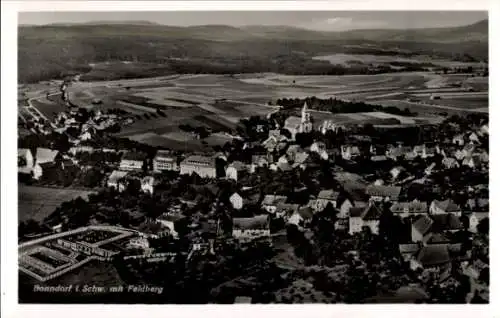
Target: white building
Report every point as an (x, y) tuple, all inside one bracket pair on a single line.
[(236, 170), (349, 152), (271, 202), (147, 184), (325, 197), (247, 229), (115, 180), (367, 216), (236, 201), (445, 207), (164, 161), (201, 165), (132, 161)]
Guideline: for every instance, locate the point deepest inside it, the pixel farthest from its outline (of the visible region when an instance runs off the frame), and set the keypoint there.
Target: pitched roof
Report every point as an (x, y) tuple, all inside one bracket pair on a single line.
[(435, 238), (411, 248), (423, 224), (292, 122), (199, 160), (256, 222), (287, 207), (272, 199), (45, 155), (165, 154), (328, 195), (435, 254), (447, 205), (446, 222), (383, 191), (238, 165), (368, 212), (23, 152), (409, 207), (306, 212), (117, 175)]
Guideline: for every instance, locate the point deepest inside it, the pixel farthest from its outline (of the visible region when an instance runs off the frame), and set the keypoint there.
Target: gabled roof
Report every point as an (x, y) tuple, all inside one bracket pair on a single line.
[(23, 152), (272, 199), (435, 238), (446, 222), (238, 165), (256, 222), (423, 224), (447, 205), (410, 248), (306, 212), (409, 207), (369, 212), (328, 195), (45, 155), (117, 175), (383, 191), (435, 254)]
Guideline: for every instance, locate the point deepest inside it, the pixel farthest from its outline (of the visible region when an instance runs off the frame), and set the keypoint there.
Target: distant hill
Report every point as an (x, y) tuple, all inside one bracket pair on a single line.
[(50, 51)]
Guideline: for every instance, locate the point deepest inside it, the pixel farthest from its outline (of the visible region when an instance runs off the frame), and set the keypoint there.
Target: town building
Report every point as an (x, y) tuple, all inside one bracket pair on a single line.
[(236, 170), (475, 218), (349, 152), (164, 161), (325, 197), (147, 184), (201, 165), (115, 180), (44, 155), (24, 158), (236, 201), (247, 229), (132, 161), (405, 209), (365, 216), (383, 193), (171, 221), (301, 217), (271, 202), (445, 207)]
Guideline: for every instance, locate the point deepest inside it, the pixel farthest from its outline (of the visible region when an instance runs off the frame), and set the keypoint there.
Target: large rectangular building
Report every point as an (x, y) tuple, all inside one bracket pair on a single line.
[(201, 165), (164, 161)]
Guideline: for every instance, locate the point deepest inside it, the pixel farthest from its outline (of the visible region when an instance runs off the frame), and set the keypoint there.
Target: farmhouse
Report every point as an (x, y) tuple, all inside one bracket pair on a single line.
[(132, 161), (201, 165), (164, 161), (247, 229)]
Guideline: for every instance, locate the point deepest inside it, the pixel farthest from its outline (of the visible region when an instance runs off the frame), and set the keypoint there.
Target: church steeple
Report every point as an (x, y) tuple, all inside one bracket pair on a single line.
[(305, 123)]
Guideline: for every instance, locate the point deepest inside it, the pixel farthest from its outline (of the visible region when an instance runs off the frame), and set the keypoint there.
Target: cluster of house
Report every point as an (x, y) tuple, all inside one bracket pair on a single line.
[(43, 161)]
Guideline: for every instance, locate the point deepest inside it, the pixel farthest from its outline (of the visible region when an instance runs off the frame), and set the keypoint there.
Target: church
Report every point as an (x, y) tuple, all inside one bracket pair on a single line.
[(301, 124)]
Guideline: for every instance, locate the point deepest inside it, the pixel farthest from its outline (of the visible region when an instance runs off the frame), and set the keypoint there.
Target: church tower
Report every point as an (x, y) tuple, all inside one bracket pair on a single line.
[(305, 123)]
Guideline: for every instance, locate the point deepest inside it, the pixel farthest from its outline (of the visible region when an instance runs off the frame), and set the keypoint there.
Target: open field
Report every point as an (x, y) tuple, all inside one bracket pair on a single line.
[(220, 101), (353, 59), (39, 202)]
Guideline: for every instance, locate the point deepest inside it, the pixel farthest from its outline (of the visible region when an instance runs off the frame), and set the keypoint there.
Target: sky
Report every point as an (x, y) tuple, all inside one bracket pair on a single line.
[(324, 21)]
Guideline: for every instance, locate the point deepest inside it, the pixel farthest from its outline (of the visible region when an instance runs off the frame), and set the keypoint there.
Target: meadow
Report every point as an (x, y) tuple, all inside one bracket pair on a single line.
[(39, 202)]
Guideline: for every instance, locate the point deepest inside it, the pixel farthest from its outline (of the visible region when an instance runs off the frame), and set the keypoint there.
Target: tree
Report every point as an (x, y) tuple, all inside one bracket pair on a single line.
[(484, 226)]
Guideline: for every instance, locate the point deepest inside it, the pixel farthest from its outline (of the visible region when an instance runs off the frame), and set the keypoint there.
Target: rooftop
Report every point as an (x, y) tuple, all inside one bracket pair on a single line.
[(45, 155), (435, 254), (328, 195), (136, 156), (256, 222), (383, 191), (199, 160), (409, 207)]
